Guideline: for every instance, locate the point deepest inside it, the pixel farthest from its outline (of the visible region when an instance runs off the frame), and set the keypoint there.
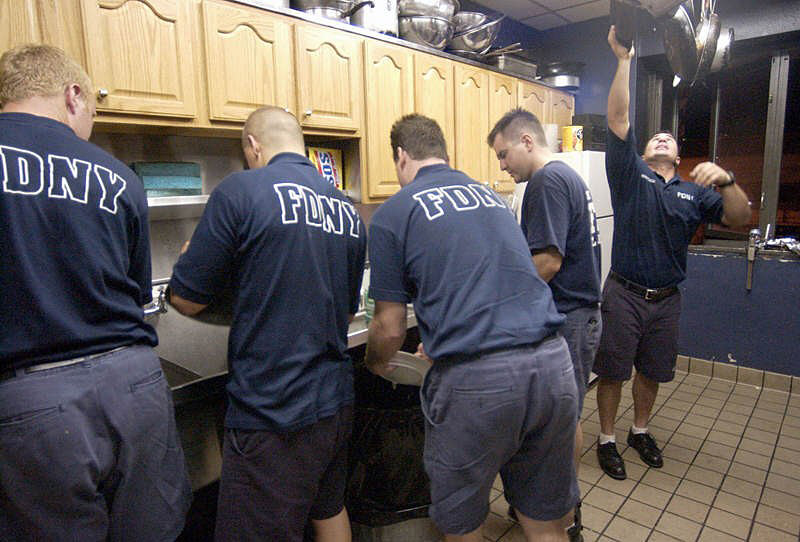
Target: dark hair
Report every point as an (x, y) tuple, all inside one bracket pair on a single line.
[(513, 123), (420, 136), (669, 133)]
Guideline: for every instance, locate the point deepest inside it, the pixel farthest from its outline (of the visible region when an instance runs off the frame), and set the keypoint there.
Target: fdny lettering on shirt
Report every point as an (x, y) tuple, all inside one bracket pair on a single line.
[(648, 179), (301, 203), (684, 195), (457, 197), (24, 173)]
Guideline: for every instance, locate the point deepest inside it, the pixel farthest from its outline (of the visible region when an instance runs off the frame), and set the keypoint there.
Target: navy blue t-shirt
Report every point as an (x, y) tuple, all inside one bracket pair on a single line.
[(654, 221), (557, 211), (74, 246), (450, 245), (293, 247)]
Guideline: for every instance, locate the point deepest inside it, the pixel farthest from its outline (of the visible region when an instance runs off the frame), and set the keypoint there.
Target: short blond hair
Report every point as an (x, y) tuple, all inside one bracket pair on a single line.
[(34, 70)]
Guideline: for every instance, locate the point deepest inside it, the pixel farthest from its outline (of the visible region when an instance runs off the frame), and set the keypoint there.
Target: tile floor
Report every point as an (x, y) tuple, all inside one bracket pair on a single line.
[(731, 469)]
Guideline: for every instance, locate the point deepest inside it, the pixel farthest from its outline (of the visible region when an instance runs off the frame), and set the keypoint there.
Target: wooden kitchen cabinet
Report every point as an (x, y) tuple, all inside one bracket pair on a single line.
[(535, 98), (433, 93), (329, 70), (389, 84), (472, 121), (19, 23), (249, 61), (562, 107), (139, 56), (502, 99)]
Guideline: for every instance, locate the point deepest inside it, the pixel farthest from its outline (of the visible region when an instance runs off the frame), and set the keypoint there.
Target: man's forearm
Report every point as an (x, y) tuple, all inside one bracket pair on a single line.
[(619, 99), (387, 332), (735, 206)]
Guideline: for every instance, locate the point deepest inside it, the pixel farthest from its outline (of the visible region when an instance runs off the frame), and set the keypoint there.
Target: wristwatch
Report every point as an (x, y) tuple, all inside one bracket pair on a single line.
[(730, 182)]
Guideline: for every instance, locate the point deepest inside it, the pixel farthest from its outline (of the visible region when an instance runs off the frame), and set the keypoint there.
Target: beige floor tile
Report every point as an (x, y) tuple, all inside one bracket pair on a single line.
[(661, 480), (697, 491), (498, 483), (678, 527), (729, 427), (650, 495), (733, 417), (496, 526), (778, 519), (699, 420), (785, 469), (604, 499), (790, 431), (711, 462), (675, 467), (685, 441), (683, 396), (712, 535), (662, 424), (677, 404), (631, 457), (756, 447), (781, 501), (620, 487), (723, 385), (673, 451), (718, 450), (784, 454), (661, 537), (742, 488), (588, 473), (769, 405), (594, 518), (726, 522), (768, 415), (671, 413), (790, 443), (514, 534), (791, 421), (761, 436), (748, 473), (704, 476), (500, 507), (771, 426), (763, 533), (783, 483), (754, 460), (775, 395), (688, 508), (735, 504), (622, 529), (703, 410), (738, 408), (691, 430), (724, 438), (640, 513), (636, 470), (589, 535)]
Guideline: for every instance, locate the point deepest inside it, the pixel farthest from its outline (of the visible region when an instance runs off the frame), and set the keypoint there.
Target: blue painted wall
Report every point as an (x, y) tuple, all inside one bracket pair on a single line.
[(760, 329)]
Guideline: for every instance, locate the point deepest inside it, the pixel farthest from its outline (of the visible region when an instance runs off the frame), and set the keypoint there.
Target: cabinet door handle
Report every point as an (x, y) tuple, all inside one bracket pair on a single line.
[(102, 93), (308, 113)]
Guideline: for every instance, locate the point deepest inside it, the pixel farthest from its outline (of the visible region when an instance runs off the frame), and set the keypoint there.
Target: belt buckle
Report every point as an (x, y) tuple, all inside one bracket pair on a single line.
[(650, 294)]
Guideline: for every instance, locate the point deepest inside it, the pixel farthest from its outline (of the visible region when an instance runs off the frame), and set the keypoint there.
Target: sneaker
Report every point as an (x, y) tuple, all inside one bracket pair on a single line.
[(610, 460), (645, 444)]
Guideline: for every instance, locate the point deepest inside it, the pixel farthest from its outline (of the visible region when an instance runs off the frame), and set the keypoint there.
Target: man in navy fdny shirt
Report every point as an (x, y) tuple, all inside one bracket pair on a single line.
[(655, 215), (559, 223), (501, 395), (292, 247), (88, 444)]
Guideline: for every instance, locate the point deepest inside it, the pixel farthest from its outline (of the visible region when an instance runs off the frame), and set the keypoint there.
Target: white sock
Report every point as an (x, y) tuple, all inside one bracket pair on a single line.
[(605, 439), (638, 430)]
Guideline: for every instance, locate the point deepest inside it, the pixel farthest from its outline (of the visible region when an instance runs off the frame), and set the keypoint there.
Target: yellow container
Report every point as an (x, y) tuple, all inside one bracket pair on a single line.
[(329, 164), (571, 138)]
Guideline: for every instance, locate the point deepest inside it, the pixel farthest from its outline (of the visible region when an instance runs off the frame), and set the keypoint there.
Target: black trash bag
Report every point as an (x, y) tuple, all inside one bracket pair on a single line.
[(386, 478), (387, 481)]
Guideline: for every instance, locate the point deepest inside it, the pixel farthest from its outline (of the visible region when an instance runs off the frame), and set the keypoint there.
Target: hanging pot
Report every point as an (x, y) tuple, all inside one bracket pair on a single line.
[(680, 45), (381, 17), (722, 54), (337, 10), (707, 36)]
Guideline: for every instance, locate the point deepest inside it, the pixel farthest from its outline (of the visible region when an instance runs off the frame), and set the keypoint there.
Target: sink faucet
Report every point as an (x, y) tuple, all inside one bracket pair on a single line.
[(753, 241), (159, 303)]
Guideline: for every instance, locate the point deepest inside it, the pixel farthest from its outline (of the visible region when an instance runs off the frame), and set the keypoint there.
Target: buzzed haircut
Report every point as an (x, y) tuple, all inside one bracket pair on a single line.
[(32, 70), (420, 136), (669, 133), (516, 122), (274, 127)]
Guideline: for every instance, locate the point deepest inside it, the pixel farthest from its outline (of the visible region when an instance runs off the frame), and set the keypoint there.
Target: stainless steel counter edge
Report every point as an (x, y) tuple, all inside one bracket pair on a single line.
[(353, 29)]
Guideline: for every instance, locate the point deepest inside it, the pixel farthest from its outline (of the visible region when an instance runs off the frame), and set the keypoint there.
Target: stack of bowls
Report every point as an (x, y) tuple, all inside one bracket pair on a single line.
[(475, 33), (427, 22)]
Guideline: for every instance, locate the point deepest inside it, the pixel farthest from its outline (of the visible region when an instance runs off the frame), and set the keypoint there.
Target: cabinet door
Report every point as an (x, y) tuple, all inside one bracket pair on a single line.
[(19, 23), (249, 60), (502, 98), (472, 121), (562, 107), (433, 93), (534, 98), (329, 72), (389, 83), (139, 56)]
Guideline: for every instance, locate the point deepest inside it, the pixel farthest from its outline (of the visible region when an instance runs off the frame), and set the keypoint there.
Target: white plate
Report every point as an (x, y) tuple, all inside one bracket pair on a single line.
[(409, 369)]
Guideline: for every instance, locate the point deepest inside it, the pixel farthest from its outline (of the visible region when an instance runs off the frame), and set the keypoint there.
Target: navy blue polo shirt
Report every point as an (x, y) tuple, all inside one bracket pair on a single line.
[(654, 220), (293, 247), (74, 246), (557, 211), (450, 245)]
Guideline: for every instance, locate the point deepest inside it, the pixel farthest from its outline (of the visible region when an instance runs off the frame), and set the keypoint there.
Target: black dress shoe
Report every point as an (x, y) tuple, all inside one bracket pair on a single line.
[(610, 460), (645, 444)]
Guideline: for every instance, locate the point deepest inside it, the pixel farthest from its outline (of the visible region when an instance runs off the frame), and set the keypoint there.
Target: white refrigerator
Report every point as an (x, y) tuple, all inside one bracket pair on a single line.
[(591, 166)]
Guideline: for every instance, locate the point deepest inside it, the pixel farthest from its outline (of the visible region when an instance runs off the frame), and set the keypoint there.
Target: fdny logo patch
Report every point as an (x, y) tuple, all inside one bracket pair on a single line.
[(684, 195), (648, 179)]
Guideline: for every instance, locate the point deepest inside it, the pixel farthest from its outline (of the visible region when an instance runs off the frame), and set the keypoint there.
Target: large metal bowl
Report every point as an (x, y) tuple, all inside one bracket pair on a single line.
[(430, 31), (430, 8), (478, 39), (464, 20)]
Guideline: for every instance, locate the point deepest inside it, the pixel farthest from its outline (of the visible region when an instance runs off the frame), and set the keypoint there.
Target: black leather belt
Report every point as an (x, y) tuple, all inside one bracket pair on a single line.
[(11, 373), (649, 294)]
